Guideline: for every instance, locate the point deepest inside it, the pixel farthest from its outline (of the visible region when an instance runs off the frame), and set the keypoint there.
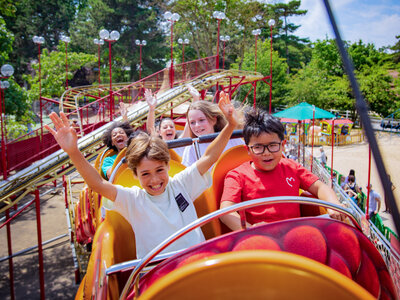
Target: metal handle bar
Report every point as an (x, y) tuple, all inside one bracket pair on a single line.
[(221, 212), (201, 139)]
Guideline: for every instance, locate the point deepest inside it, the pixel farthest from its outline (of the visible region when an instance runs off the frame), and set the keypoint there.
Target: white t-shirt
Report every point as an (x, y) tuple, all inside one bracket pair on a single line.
[(154, 218), (189, 155), (179, 150)]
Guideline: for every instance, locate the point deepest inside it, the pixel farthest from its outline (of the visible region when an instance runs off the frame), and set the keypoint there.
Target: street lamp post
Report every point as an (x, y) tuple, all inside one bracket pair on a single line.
[(6, 71), (140, 44), (172, 17), (224, 39), (98, 42), (219, 15), (271, 24), (183, 43), (66, 40), (110, 37), (256, 33), (38, 40)]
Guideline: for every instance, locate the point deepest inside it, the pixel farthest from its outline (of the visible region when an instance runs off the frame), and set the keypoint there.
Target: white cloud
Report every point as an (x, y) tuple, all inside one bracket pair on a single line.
[(374, 22)]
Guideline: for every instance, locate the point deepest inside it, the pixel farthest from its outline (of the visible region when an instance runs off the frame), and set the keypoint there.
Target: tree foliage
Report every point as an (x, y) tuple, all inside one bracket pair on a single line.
[(279, 77), (322, 82), (49, 19), (133, 20), (290, 46), (53, 72)]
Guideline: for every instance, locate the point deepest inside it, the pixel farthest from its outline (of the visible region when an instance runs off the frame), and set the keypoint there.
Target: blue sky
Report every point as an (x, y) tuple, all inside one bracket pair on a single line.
[(376, 22)]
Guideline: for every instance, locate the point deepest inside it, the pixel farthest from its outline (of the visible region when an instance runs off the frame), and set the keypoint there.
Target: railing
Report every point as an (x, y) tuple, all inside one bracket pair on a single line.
[(92, 105), (378, 238)]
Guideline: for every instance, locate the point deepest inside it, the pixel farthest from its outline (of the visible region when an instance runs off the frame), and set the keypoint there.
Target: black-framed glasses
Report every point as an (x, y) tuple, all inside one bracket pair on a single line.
[(260, 148)]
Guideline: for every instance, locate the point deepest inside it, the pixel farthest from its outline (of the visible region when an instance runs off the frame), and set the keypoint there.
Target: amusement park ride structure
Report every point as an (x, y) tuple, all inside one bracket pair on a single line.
[(203, 74)]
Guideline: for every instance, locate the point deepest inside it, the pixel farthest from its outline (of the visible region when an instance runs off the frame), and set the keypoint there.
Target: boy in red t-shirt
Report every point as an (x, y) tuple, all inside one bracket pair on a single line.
[(267, 174)]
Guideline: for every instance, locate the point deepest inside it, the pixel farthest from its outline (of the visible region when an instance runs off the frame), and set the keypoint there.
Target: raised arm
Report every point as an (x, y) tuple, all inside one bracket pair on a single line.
[(66, 137), (324, 192), (152, 102), (217, 146), (123, 109)]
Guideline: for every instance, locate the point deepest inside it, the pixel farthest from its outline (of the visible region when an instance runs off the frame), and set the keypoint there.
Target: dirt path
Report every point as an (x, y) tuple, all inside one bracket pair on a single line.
[(58, 263)]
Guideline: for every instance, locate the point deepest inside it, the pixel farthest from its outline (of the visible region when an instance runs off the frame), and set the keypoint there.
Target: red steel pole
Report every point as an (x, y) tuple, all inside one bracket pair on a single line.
[(217, 62), (140, 62), (369, 183), (3, 135), (223, 57), (255, 55), (270, 71), (171, 71), (312, 138), (10, 260), (66, 65), (40, 247), (183, 59), (40, 103), (111, 92), (333, 142), (98, 55)]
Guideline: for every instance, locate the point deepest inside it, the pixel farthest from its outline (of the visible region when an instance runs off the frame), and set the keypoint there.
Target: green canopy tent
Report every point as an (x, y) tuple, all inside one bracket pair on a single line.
[(306, 111)]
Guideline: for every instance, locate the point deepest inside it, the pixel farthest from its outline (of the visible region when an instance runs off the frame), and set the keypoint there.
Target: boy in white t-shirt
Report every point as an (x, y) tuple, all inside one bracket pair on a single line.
[(165, 204)]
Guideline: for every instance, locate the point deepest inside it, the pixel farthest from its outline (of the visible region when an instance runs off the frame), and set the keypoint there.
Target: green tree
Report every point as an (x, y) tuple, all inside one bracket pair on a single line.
[(377, 87), (133, 20), (15, 98), (396, 50), (201, 28), (366, 55), (279, 77), (6, 40), (290, 46), (49, 19), (327, 57), (53, 72), (322, 82)]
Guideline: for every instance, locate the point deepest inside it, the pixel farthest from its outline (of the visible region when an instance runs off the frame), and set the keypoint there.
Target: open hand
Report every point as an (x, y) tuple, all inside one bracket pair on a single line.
[(123, 109), (336, 215), (150, 98), (227, 108), (64, 134), (193, 92)]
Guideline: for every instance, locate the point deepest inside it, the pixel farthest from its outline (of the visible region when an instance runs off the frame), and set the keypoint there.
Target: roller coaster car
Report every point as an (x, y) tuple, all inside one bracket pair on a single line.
[(310, 250), (300, 258)]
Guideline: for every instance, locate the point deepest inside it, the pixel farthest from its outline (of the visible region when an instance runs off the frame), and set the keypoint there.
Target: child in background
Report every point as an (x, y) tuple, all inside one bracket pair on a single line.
[(166, 126), (267, 174), (204, 118), (116, 138), (322, 158), (164, 205)]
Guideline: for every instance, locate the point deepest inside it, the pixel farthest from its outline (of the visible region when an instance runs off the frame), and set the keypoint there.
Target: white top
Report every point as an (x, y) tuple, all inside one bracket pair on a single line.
[(189, 155), (373, 201), (179, 150), (155, 218)]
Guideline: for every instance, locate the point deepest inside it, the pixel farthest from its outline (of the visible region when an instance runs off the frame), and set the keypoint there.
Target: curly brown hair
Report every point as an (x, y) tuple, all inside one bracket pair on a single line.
[(149, 146), (107, 140)]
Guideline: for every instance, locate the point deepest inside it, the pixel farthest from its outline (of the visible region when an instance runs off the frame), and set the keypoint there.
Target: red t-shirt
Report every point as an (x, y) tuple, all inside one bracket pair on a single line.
[(245, 183)]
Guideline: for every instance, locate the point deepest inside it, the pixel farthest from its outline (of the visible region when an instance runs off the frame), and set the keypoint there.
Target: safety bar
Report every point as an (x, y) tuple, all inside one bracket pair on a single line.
[(202, 139), (133, 278)]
